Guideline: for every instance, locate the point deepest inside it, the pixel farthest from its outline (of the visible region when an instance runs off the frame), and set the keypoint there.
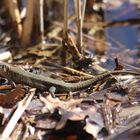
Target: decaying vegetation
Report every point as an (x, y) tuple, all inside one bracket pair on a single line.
[(67, 40)]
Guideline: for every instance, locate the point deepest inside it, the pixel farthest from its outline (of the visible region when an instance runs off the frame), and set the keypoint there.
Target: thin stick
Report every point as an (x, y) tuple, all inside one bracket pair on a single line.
[(65, 18), (41, 20), (83, 10), (79, 21), (63, 53)]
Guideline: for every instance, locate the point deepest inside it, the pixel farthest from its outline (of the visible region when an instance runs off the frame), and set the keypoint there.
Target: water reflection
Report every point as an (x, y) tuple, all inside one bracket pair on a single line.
[(123, 37)]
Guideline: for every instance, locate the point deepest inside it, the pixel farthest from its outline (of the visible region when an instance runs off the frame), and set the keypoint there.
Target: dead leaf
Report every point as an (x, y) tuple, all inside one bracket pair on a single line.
[(73, 110), (8, 100)]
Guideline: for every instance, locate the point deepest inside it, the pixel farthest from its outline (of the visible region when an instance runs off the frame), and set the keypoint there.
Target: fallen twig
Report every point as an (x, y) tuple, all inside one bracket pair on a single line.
[(17, 114)]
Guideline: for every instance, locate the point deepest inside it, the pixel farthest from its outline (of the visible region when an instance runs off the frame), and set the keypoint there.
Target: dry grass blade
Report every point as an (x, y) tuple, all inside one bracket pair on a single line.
[(79, 21), (42, 20), (69, 70), (83, 10), (15, 14), (28, 23), (16, 116), (63, 53)]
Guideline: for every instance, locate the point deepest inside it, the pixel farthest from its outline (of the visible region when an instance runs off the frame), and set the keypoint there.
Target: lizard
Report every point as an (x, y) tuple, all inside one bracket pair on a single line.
[(20, 76)]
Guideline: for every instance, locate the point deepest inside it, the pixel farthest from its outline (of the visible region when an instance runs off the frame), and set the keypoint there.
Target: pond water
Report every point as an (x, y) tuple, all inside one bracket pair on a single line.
[(123, 37)]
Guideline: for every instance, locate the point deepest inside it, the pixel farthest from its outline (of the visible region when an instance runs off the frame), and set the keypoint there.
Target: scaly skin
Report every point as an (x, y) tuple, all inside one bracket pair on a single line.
[(21, 76)]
